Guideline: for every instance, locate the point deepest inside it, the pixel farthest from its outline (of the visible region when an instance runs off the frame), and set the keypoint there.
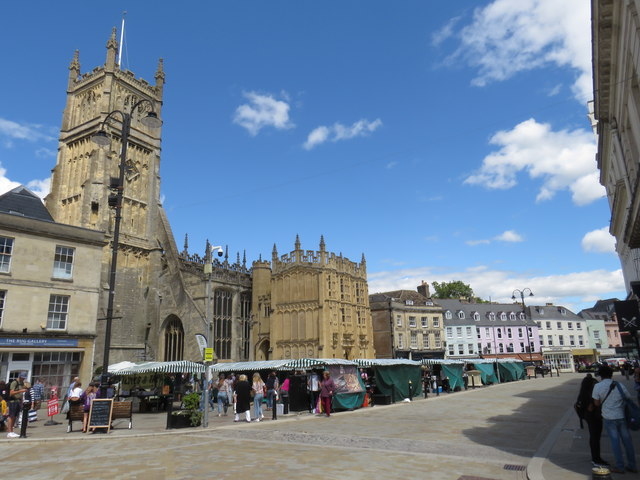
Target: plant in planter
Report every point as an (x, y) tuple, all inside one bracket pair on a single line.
[(192, 407)]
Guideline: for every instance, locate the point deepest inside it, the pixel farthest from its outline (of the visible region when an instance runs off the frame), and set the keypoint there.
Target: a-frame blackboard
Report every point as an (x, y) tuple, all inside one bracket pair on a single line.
[(100, 413)]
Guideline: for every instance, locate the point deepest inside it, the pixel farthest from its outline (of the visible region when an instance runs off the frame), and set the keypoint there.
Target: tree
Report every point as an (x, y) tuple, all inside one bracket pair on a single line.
[(454, 289)]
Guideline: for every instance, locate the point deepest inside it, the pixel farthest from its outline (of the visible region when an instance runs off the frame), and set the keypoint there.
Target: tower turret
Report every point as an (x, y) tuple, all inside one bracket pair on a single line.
[(112, 52), (74, 69)]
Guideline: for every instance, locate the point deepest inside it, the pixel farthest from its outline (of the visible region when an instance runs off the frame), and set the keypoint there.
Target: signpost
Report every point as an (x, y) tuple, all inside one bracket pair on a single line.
[(628, 315), (208, 354), (52, 408)]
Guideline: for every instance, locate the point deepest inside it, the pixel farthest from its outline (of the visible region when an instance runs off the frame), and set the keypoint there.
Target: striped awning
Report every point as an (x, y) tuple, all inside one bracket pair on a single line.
[(180, 366), (284, 364), (385, 362), (461, 361)]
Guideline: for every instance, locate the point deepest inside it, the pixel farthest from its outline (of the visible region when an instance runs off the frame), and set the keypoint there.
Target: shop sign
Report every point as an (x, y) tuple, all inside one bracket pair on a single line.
[(38, 342), (52, 407)]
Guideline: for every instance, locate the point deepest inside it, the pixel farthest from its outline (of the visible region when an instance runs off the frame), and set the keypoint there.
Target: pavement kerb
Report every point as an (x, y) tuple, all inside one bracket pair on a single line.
[(288, 418), (534, 467)]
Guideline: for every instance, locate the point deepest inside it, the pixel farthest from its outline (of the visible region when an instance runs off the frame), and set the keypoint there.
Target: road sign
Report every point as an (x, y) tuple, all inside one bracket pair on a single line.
[(208, 354)]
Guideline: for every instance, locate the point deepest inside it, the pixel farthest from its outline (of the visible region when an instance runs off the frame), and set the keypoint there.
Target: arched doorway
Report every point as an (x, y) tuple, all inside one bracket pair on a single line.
[(262, 351), (173, 339)]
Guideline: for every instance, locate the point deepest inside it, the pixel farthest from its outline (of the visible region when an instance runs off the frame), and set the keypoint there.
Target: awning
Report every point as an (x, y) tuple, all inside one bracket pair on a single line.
[(584, 351), (180, 366), (384, 362), (283, 364)]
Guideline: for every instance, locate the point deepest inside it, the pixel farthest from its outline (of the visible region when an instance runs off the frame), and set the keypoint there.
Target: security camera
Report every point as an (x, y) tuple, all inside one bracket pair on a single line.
[(219, 248)]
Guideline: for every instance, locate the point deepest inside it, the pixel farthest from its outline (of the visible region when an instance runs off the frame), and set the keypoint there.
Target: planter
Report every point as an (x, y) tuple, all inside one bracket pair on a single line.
[(180, 421)]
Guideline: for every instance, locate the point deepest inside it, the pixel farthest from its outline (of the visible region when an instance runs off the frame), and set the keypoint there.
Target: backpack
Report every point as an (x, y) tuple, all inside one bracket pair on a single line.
[(631, 411)]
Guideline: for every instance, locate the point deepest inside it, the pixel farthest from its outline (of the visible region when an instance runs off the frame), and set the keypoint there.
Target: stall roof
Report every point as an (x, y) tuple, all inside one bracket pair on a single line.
[(284, 364), (384, 362), (455, 361), (180, 366)]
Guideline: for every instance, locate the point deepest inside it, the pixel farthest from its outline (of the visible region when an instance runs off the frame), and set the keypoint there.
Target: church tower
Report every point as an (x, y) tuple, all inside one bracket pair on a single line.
[(145, 314), (82, 175)]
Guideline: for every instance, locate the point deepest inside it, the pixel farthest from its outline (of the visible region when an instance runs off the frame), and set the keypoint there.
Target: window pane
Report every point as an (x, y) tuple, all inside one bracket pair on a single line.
[(63, 262), (58, 311), (6, 248)]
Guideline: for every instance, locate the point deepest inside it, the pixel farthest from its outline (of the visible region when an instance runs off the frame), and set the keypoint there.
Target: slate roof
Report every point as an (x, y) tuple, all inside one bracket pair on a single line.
[(402, 296), (552, 312), (483, 309), (23, 202)]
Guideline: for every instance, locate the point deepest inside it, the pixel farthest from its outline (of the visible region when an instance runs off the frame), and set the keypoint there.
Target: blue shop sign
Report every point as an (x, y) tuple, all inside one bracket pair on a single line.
[(38, 342)]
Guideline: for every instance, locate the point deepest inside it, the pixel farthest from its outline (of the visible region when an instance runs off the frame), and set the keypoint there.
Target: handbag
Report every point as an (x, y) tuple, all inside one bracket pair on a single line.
[(65, 407), (631, 411)]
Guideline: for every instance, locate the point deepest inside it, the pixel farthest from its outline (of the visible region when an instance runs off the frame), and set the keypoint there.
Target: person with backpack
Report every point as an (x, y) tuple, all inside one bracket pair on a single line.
[(610, 396), (591, 414)]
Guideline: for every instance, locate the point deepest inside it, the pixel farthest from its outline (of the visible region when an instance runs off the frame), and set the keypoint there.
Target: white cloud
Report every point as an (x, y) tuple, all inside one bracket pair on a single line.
[(509, 236), (338, 132), (573, 290), (11, 130), (45, 152), (40, 187), (600, 241), (507, 37), (563, 160), (390, 165), (262, 111), (5, 183)]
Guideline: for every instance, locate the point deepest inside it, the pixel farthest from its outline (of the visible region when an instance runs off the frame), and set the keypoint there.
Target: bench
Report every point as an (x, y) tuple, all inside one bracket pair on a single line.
[(120, 410)]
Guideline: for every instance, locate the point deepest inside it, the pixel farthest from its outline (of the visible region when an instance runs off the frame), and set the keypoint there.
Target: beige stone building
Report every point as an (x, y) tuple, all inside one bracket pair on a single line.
[(311, 304), (303, 304), (407, 324), (49, 292)]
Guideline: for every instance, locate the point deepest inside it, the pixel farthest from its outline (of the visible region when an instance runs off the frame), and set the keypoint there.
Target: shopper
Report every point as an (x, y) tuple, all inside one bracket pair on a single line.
[(16, 391), (313, 386), (242, 399), (224, 394), (591, 414), (87, 397), (259, 388), (272, 388), (609, 396), (327, 390)]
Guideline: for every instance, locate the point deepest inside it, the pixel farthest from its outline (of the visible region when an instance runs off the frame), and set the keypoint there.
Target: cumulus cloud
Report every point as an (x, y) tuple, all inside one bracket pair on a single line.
[(338, 132), (563, 160), (262, 111), (508, 37), (573, 290), (600, 241), (510, 236), (40, 187), (11, 130)]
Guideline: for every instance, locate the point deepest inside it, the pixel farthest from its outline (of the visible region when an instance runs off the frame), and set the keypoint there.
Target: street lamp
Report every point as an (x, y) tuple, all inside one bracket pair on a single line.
[(513, 297), (101, 138), (208, 270)]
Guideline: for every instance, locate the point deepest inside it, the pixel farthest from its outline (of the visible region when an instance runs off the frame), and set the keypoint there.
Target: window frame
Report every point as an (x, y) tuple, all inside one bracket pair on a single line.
[(63, 270), (60, 304), (6, 253)]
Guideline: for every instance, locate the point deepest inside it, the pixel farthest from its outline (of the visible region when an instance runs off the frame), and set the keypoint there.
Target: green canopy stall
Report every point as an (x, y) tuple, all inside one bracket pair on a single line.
[(395, 377), (487, 372)]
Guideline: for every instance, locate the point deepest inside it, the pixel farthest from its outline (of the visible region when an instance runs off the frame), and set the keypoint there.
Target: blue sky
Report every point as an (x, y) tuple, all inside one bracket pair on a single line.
[(444, 140)]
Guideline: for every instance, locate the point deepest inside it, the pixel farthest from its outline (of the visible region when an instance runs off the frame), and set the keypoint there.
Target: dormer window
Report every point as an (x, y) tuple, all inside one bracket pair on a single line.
[(540, 310), (448, 315), (408, 302), (562, 311), (503, 316), (429, 303), (461, 315), (476, 316), (512, 316), (492, 316), (522, 316)]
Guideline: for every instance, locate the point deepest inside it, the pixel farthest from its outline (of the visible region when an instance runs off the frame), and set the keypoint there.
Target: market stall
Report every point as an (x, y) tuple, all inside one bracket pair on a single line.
[(448, 370), (396, 378)]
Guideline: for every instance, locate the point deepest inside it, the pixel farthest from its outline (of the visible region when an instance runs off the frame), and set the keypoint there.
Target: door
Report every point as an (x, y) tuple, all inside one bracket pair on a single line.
[(19, 362)]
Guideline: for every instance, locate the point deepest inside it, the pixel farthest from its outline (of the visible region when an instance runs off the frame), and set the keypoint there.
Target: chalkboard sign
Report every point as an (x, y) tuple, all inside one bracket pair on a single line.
[(100, 413)]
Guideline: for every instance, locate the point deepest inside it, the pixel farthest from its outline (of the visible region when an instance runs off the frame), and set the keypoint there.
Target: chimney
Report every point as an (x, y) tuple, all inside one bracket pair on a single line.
[(423, 289)]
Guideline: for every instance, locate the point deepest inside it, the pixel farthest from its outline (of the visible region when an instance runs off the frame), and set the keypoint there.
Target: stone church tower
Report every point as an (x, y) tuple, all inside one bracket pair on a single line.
[(311, 304), (155, 315)]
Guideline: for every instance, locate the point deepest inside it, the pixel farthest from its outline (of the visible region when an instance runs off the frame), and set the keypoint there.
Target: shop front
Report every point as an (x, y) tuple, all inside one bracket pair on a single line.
[(53, 361), (558, 358), (584, 357)]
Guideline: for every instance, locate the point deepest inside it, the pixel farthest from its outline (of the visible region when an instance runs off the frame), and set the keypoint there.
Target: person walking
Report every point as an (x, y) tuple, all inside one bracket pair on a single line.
[(313, 386), (242, 399), (591, 414), (608, 395), (224, 394), (327, 389), (258, 387)]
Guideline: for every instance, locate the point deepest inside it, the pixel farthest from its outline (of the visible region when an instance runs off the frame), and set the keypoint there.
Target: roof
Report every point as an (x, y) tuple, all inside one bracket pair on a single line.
[(283, 364), (402, 296), (483, 310), (23, 202), (552, 312), (180, 366)]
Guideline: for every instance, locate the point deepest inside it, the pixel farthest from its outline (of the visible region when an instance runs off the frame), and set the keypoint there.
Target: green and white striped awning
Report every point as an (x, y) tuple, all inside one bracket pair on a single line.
[(461, 361), (385, 362), (180, 366), (282, 365)]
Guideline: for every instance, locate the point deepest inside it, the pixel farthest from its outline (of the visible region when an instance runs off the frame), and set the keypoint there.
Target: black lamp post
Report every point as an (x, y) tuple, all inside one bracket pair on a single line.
[(101, 138), (513, 297)]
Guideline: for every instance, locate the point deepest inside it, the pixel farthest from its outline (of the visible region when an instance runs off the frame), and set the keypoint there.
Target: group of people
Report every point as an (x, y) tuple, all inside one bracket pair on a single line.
[(17, 399), (601, 404), (76, 395), (241, 392)]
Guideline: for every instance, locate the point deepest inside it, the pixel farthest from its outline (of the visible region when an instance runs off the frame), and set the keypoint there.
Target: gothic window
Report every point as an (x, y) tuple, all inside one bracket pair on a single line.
[(222, 305), (245, 315), (173, 340)]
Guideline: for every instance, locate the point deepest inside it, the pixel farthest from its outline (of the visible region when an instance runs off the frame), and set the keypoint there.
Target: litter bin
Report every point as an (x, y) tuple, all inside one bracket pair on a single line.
[(531, 371)]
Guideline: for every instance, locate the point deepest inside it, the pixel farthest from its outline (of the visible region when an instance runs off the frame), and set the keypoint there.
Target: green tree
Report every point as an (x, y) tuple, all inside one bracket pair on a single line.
[(454, 289)]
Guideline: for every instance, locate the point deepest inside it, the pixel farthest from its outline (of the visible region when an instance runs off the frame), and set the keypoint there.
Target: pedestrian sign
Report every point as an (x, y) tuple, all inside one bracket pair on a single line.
[(208, 354)]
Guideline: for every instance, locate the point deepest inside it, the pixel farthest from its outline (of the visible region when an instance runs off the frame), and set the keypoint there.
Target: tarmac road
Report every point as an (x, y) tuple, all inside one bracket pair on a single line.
[(488, 433)]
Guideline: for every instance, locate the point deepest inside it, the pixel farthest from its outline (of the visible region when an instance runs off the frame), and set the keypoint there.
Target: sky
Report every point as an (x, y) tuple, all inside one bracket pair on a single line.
[(443, 140)]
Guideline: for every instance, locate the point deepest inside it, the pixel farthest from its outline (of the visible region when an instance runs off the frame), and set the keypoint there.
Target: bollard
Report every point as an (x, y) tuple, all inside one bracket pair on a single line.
[(169, 410), (410, 390), (473, 381)]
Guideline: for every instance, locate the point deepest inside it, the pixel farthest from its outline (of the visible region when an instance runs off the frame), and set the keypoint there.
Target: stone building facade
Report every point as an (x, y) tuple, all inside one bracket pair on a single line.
[(166, 301), (311, 304), (49, 293), (407, 324)]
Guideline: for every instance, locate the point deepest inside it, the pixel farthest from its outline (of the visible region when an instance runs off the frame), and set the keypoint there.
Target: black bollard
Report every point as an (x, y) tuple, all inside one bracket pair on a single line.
[(25, 421), (410, 390), (169, 410)]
